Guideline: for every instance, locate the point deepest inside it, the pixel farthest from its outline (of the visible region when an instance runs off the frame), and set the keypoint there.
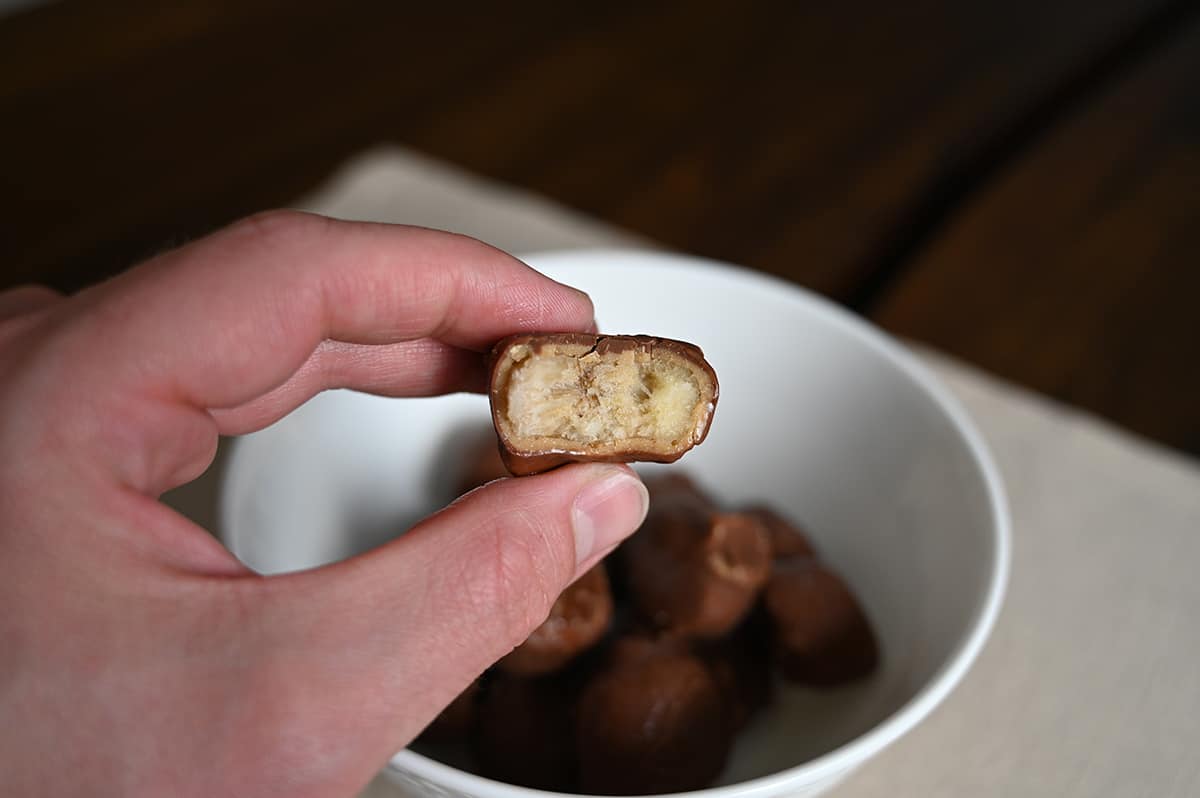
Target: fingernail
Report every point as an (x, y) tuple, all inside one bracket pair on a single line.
[(607, 509)]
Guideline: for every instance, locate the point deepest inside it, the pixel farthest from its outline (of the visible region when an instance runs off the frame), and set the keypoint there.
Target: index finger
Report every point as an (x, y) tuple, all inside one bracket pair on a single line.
[(229, 317)]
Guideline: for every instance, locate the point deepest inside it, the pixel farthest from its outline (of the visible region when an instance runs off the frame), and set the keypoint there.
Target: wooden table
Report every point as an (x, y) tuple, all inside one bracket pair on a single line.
[(1017, 182)]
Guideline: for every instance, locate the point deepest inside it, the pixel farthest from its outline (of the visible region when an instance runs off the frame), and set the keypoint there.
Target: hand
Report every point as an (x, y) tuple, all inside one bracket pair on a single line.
[(137, 656)]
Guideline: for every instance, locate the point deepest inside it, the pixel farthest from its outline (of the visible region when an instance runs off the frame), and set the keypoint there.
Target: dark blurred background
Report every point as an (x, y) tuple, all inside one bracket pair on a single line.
[(1015, 182)]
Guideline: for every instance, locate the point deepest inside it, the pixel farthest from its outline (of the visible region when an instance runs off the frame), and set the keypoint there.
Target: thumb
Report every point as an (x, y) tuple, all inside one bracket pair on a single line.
[(397, 633)]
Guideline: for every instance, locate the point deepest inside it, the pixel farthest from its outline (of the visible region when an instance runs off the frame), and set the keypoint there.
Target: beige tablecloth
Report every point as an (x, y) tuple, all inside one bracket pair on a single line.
[(1090, 684)]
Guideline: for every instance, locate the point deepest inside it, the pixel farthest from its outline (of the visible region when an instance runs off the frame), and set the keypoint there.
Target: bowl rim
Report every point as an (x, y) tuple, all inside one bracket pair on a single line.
[(838, 761)]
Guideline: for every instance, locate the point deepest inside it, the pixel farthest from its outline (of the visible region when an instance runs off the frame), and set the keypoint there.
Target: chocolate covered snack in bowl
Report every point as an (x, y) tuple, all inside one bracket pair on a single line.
[(457, 720), (574, 397), (525, 731), (692, 570), (651, 664), (654, 720), (787, 540), (821, 635), (577, 621)]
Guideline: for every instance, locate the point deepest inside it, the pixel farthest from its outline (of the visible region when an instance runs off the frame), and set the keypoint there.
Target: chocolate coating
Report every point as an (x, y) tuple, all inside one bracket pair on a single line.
[(741, 666), (524, 461), (664, 487), (694, 571), (577, 621), (821, 635), (525, 732), (787, 539), (456, 721), (653, 722)]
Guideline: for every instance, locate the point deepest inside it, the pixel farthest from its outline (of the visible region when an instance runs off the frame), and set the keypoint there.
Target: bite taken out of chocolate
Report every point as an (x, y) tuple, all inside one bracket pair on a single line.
[(653, 721), (526, 731), (578, 620), (575, 397), (821, 636), (692, 570)]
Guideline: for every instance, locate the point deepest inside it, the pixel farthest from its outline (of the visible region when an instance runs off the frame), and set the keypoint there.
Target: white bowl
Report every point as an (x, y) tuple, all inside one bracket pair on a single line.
[(820, 415)]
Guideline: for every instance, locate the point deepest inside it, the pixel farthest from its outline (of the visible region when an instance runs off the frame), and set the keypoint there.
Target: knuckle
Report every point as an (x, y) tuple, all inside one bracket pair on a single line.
[(24, 307), (463, 244), (278, 225), (28, 294)]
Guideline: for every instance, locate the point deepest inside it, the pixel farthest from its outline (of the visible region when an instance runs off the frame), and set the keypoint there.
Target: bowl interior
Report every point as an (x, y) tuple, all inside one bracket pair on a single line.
[(818, 416)]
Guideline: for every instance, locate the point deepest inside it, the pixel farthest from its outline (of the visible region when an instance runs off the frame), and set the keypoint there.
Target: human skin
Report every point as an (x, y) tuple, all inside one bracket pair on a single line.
[(137, 655)]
